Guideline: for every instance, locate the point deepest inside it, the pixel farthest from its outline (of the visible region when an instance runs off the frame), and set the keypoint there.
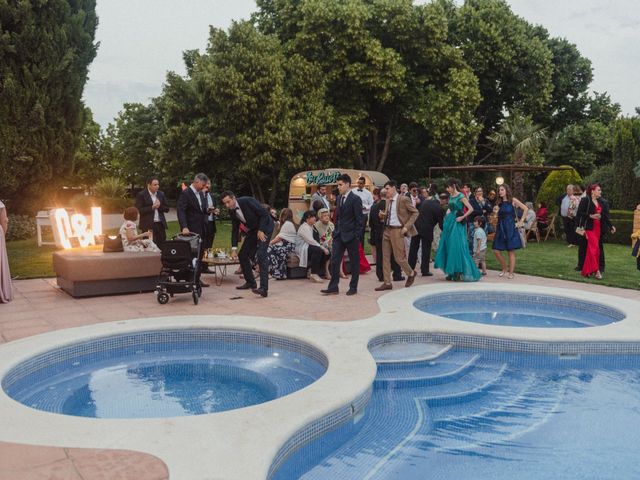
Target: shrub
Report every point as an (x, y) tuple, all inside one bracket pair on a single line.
[(623, 221), (115, 205), (83, 203), (555, 185), (110, 187), (605, 177), (21, 227)]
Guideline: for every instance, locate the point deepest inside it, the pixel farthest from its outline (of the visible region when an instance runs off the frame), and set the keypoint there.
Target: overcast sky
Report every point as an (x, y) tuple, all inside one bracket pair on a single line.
[(140, 40)]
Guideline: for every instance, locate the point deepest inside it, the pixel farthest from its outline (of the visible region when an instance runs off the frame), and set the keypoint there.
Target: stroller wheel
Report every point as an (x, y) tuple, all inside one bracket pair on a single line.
[(195, 297), (163, 298)]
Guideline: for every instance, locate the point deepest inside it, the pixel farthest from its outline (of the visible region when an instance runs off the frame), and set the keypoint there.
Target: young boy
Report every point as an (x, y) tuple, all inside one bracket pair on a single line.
[(480, 244)]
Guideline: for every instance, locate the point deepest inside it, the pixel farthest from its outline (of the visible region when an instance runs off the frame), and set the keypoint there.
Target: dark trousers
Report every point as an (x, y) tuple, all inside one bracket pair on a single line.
[(316, 260), (209, 235), (395, 268), (159, 234), (337, 252), (426, 253), (582, 252), (569, 226), (252, 247), (365, 218)]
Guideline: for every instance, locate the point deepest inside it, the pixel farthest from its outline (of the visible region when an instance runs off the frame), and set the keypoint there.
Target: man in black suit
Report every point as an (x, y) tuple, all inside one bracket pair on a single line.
[(259, 224), (346, 236), (152, 205), (430, 215), (192, 211)]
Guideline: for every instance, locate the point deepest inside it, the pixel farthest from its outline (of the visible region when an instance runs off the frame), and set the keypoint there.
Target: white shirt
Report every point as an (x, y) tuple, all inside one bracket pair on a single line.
[(288, 232), (239, 214), (156, 214), (209, 205), (366, 197), (394, 221), (564, 206), (197, 195), (303, 240)]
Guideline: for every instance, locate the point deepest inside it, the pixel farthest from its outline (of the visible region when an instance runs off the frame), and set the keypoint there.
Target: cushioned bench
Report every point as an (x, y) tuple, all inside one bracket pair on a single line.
[(84, 272)]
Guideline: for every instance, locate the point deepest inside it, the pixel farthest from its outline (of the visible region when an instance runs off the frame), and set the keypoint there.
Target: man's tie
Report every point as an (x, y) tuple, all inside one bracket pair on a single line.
[(360, 190), (387, 218)]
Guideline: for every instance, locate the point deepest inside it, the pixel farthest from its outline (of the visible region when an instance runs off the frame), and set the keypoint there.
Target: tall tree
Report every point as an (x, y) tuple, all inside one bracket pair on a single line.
[(45, 50), (513, 65), (626, 155), (519, 137), (389, 66), (254, 112)]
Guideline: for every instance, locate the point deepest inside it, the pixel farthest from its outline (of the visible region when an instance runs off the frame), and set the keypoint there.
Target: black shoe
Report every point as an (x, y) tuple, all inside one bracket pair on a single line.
[(401, 278), (427, 274), (329, 292), (351, 292), (246, 286), (260, 291)]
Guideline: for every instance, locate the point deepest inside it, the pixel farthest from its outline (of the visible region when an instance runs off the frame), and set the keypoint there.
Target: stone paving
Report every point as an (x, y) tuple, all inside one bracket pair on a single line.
[(40, 306)]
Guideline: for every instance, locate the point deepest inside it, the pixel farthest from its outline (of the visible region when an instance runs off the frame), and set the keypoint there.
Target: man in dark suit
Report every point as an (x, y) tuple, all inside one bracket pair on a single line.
[(346, 236), (192, 211), (152, 205), (259, 225), (430, 214)]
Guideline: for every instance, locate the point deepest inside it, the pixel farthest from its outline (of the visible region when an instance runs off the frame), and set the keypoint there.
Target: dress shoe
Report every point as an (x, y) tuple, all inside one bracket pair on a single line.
[(351, 292), (246, 286), (329, 292), (260, 291), (204, 285), (411, 279), (383, 287), (427, 274)]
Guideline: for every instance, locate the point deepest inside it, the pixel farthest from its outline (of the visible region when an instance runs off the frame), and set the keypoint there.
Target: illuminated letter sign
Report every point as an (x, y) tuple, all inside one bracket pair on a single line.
[(77, 226), (322, 178)]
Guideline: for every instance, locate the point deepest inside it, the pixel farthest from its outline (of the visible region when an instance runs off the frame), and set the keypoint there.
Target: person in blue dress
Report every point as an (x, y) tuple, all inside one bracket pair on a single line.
[(453, 256), (507, 236)]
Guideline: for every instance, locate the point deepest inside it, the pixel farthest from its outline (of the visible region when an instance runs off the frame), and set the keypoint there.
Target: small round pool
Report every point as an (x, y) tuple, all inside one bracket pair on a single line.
[(164, 373), (514, 309)]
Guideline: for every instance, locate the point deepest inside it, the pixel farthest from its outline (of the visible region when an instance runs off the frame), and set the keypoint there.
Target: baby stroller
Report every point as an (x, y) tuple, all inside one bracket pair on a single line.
[(180, 262)]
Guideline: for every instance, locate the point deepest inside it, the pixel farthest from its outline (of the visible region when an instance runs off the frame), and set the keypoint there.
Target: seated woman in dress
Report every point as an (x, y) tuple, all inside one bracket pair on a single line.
[(131, 240), (531, 216), (542, 216), (281, 245), (324, 228), (309, 250)]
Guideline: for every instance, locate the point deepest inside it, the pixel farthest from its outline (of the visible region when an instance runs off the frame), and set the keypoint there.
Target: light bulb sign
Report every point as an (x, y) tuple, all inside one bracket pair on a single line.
[(76, 226)]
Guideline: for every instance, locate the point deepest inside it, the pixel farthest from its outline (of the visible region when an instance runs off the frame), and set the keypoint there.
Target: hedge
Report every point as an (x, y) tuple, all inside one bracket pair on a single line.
[(555, 185)]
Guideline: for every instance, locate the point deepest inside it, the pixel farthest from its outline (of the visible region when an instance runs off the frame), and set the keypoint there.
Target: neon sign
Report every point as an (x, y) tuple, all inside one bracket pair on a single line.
[(77, 226)]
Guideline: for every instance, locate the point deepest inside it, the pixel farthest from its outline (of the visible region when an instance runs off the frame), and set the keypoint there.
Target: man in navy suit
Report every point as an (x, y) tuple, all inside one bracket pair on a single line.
[(152, 205), (259, 225), (346, 236), (192, 211)]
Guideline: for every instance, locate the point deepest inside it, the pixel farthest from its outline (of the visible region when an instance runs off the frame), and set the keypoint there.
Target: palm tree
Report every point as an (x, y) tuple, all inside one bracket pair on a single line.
[(519, 137)]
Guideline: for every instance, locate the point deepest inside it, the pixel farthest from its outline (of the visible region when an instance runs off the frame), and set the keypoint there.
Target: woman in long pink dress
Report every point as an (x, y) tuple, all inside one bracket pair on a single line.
[(6, 290)]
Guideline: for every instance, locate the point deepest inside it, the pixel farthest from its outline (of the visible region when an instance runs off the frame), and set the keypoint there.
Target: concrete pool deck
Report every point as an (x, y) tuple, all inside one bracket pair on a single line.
[(40, 307)]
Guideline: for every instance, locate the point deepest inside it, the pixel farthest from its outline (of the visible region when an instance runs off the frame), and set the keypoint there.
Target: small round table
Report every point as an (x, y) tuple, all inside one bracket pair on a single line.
[(220, 266)]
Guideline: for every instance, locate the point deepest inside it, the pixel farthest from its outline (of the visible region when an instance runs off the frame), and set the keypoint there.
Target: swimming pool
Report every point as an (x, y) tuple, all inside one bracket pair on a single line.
[(449, 412), (161, 373), (517, 309)]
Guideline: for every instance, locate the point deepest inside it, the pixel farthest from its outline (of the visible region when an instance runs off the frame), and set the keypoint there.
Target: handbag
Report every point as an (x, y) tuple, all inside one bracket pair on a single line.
[(112, 244), (523, 236)]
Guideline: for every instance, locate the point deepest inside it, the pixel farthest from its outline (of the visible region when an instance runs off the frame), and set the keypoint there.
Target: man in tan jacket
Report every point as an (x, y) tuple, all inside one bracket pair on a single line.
[(398, 220)]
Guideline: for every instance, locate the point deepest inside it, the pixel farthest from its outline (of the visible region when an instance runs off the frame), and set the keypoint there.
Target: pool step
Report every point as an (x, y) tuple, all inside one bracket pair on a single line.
[(447, 368), (404, 353), (500, 424)]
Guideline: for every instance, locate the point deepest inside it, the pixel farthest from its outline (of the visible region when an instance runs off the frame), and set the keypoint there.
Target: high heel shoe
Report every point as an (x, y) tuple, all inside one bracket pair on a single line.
[(502, 273), (598, 276)]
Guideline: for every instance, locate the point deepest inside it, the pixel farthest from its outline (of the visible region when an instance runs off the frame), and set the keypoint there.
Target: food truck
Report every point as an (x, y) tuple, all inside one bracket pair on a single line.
[(304, 184)]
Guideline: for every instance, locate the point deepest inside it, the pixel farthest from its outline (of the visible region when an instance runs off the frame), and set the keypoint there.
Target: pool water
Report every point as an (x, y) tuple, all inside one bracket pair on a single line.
[(473, 414), (172, 377), (518, 310)]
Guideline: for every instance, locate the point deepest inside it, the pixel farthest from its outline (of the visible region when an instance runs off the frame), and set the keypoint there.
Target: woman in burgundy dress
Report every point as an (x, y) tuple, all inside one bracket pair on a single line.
[(593, 216)]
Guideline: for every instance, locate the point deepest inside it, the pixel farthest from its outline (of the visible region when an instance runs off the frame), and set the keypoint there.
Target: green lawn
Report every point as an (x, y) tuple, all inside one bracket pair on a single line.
[(552, 259)]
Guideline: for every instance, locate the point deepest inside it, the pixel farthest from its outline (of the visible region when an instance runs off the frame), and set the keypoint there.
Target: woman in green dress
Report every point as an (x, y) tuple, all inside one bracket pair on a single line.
[(453, 255)]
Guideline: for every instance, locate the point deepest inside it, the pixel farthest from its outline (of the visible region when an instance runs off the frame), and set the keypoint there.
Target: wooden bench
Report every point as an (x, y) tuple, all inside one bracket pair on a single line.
[(85, 272)]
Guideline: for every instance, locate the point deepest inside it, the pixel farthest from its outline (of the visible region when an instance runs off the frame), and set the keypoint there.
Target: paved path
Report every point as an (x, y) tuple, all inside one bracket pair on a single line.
[(39, 306)]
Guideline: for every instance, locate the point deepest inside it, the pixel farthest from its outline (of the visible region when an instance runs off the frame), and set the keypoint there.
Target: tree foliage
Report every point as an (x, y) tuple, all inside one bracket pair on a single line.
[(626, 155), (556, 184), (45, 50)]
